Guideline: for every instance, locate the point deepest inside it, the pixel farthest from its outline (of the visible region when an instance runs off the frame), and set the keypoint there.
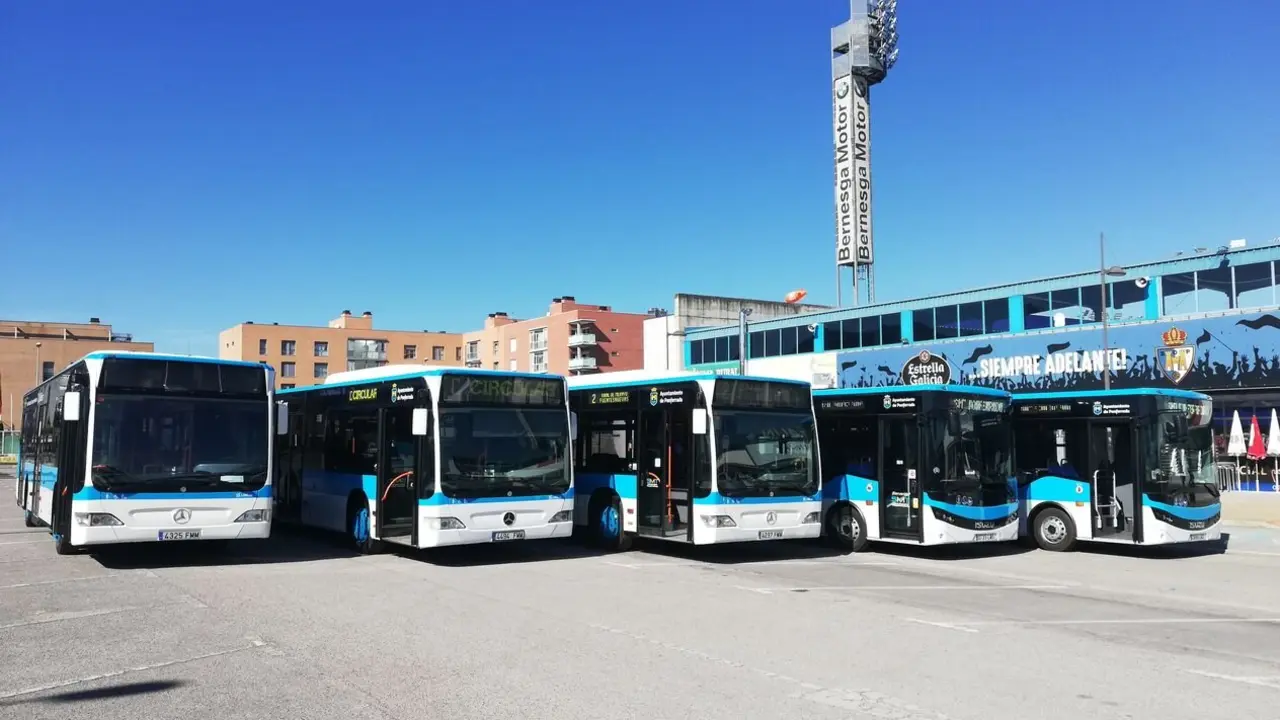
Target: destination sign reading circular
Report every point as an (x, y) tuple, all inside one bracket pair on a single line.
[(926, 369)]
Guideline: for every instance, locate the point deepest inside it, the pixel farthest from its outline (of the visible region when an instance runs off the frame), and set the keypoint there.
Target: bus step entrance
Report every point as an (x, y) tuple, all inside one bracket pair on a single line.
[(1106, 511)]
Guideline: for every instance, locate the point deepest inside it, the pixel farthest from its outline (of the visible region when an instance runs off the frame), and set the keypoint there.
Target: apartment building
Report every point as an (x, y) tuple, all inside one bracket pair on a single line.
[(572, 338), (32, 351), (306, 354)]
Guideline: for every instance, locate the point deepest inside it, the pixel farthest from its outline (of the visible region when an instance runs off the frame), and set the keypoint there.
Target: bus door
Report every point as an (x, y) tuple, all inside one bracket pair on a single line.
[(287, 485), (654, 503), (900, 497), (69, 456), (1112, 476), (398, 476)]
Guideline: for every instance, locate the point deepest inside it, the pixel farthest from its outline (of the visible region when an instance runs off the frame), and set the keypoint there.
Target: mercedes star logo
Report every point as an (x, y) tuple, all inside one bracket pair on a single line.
[(771, 517), (181, 516), (509, 518)]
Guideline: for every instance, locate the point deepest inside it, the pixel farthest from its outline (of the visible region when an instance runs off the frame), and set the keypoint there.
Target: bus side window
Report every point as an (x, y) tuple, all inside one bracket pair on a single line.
[(609, 438)]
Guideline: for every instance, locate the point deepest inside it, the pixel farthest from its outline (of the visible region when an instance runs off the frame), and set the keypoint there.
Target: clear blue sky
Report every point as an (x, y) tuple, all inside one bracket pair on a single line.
[(176, 168)]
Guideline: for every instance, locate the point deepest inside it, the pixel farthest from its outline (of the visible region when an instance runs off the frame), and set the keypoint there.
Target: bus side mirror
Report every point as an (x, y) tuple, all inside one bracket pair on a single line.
[(71, 406), (699, 421), (282, 418), (573, 425), (419, 423), (953, 424)]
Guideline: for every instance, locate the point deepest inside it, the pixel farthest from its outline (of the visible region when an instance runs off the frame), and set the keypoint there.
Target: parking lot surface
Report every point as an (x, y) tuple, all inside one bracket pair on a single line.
[(298, 627)]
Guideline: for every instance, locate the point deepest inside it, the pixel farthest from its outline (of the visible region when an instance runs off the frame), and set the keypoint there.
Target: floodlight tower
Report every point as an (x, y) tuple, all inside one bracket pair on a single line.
[(863, 49)]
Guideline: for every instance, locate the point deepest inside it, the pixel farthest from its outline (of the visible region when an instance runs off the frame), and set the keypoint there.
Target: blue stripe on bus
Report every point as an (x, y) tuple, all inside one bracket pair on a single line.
[(606, 382), (974, 512), (342, 484), (1121, 392), (622, 483), (899, 389), (416, 374), (1056, 489), (853, 488), (440, 499), (1185, 513), (91, 493)]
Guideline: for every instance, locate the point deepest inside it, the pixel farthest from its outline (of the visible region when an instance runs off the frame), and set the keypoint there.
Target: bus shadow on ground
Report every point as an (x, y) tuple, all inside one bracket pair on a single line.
[(507, 553), (286, 545), (952, 553), (1181, 551), (122, 690), (738, 553)]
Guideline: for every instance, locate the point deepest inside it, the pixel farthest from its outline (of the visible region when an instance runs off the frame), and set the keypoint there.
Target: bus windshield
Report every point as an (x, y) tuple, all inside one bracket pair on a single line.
[(155, 443), (975, 448), (761, 454), (503, 451), (1186, 454)]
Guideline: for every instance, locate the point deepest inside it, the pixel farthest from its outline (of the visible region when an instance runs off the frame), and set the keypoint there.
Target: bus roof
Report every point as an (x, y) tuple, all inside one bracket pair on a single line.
[(631, 378), (408, 372), (105, 354), (958, 389), (1114, 392)]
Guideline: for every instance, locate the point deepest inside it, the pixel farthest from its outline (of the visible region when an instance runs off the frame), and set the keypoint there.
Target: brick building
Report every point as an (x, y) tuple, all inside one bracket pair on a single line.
[(306, 354), (572, 338), (33, 351)]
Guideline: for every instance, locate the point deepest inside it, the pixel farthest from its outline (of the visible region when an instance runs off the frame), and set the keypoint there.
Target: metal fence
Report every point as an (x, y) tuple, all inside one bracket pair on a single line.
[(1247, 477)]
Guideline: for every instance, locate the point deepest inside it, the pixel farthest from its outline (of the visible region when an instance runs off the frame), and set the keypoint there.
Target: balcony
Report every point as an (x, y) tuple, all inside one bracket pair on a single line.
[(582, 363), (538, 344), (580, 339)]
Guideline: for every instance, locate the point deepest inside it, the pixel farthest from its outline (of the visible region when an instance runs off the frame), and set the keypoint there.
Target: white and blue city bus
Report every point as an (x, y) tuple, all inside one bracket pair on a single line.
[(916, 464), (128, 447), (423, 456), (694, 458), (1131, 466)]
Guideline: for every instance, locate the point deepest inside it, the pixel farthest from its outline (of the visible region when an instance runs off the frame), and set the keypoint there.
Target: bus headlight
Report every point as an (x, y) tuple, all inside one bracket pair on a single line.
[(718, 521), (254, 516), (445, 523), (563, 516), (810, 519), (97, 520)]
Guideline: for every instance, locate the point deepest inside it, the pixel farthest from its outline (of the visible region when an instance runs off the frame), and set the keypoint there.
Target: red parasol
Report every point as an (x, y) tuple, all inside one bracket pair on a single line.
[(1257, 446)]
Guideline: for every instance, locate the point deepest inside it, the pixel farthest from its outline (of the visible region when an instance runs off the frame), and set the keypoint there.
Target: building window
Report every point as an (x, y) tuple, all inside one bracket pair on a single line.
[(321, 371), (1255, 285), (262, 347), (410, 352), (922, 325), (514, 363), (512, 345), (995, 315), (971, 319), (946, 322), (363, 354), (1178, 293), (1035, 311), (537, 340), (538, 361), (286, 386), (457, 353), (495, 348), (473, 351), (46, 371), (288, 347), (321, 348), (288, 369), (437, 352)]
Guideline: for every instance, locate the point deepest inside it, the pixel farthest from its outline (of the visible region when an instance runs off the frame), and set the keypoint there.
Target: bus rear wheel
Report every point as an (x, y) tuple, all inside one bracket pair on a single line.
[(30, 519), (1053, 530), (846, 528)]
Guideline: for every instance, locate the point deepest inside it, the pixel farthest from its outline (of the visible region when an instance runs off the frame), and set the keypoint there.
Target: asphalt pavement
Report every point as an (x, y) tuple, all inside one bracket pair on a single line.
[(298, 627)]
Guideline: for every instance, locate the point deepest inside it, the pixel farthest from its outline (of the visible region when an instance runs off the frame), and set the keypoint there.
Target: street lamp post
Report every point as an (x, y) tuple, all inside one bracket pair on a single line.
[(742, 339), (1103, 273), (39, 373)]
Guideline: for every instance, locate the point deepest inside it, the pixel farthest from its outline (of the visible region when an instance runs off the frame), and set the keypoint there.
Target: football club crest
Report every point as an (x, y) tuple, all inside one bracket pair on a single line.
[(1175, 358)]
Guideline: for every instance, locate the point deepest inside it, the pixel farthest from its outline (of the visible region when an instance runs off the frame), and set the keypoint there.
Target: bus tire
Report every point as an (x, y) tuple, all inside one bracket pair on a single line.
[(845, 527), (62, 544), (605, 521), (30, 520), (1053, 530), (359, 525)]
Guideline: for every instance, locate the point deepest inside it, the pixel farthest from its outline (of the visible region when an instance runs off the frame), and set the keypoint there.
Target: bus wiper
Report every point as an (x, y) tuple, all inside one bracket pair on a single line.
[(796, 488)]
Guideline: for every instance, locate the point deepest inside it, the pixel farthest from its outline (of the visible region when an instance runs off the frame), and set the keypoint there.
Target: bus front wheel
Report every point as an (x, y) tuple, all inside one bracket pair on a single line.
[(606, 523), (1053, 530), (846, 529), (30, 520)]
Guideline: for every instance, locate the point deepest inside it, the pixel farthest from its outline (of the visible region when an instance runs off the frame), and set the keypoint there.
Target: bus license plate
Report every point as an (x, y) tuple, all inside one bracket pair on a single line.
[(179, 535), (770, 534), (984, 537), (1198, 536), (502, 535)]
